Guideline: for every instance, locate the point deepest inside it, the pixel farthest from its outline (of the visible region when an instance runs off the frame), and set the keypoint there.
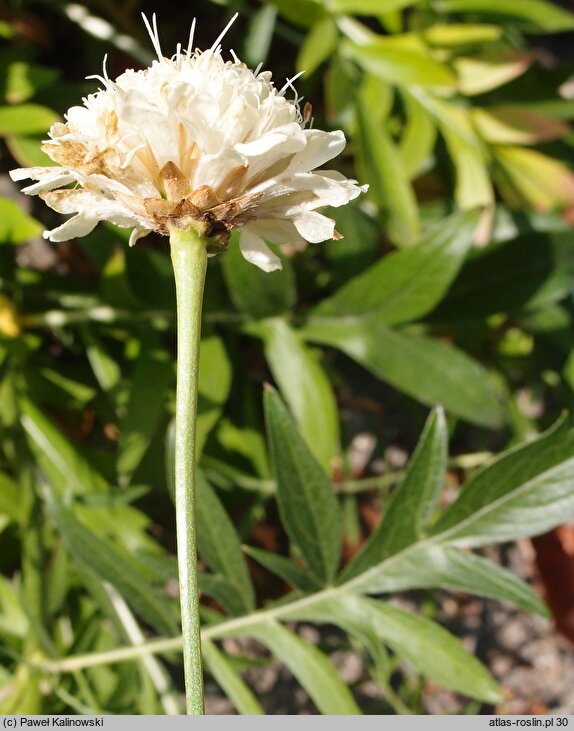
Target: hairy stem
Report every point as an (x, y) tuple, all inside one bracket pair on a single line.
[(189, 258)]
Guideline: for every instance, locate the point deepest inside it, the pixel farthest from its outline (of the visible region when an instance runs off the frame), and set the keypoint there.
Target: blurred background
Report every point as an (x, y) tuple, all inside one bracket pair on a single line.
[(458, 115)]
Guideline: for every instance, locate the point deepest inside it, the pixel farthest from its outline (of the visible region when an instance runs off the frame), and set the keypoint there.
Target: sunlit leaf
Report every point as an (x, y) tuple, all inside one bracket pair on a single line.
[(305, 386), (16, 227), (406, 285), (479, 75), (318, 46), (538, 15), (389, 185), (524, 492)]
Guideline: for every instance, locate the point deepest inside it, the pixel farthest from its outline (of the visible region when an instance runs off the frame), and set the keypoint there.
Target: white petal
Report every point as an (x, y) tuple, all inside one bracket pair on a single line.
[(278, 231), (321, 146), (138, 233), (212, 169), (79, 225), (48, 184), (323, 189), (36, 173), (256, 251), (314, 227), (285, 140)]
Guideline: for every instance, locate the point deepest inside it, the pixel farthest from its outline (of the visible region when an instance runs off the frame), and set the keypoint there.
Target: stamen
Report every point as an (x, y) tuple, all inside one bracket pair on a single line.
[(191, 37), (289, 84), (131, 154), (258, 68), (234, 56), (153, 34), (221, 36), (105, 78), (98, 78)]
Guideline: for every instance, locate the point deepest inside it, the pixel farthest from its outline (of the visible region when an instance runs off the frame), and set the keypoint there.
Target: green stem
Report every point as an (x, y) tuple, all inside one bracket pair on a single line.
[(189, 258)]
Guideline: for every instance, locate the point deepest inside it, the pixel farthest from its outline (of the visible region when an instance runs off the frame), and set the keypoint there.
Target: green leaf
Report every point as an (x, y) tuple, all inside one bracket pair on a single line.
[(436, 566), (400, 66), (305, 387), (27, 150), (369, 7), (106, 370), (473, 184), (429, 648), (528, 272), (16, 227), (529, 179), (254, 292), (300, 12), (292, 573), (526, 491), (14, 621), (23, 80), (152, 376), (452, 35), (214, 385), (358, 248), (426, 369), (480, 75), (418, 138), (534, 14), (384, 172), (229, 680), (10, 499), (413, 502), (406, 285), (310, 666), (26, 119), (223, 591), (62, 464), (318, 46), (307, 504), (259, 35), (218, 542), (114, 565)]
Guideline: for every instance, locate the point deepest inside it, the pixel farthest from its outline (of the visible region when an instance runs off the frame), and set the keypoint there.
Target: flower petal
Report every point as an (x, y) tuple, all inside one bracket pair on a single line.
[(321, 146), (256, 251), (79, 225), (138, 233), (278, 231), (314, 227)]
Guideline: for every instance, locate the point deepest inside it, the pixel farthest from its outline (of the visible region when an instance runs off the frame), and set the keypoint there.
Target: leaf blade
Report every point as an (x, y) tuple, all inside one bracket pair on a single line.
[(307, 503), (310, 666)]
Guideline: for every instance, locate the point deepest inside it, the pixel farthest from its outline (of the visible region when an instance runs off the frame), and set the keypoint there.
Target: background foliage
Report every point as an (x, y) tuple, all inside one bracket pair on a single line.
[(452, 285)]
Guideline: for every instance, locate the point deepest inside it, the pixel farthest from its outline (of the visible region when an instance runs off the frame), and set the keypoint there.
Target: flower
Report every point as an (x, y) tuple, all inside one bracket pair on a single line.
[(193, 140)]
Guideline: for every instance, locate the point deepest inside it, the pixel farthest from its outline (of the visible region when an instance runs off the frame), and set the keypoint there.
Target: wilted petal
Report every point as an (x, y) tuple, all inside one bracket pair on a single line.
[(256, 251)]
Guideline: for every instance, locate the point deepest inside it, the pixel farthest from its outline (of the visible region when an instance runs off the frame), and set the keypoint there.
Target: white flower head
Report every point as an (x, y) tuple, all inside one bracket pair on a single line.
[(193, 140)]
